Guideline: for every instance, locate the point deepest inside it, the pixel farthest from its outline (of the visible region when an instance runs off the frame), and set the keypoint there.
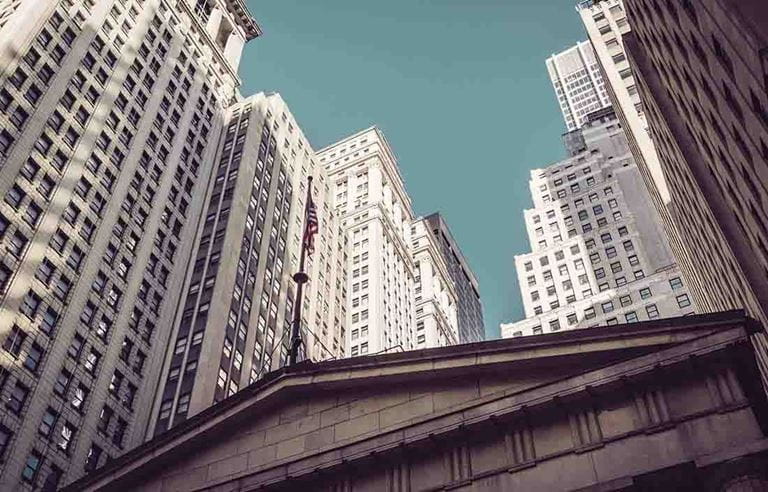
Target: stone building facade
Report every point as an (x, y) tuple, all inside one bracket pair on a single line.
[(435, 298), (606, 24), (700, 68), (599, 253), (376, 212), (660, 405), (578, 83), (110, 112), (469, 312), (234, 322)]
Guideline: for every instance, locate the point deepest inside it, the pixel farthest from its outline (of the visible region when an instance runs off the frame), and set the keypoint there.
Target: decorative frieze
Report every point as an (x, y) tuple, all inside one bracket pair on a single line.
[(651, 407), (585, 428), (519, 445), (399, 477), (458, 463), (724, 388)]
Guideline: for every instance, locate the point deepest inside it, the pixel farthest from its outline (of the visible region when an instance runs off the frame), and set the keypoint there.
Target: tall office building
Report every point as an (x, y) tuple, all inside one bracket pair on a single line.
[(578, 83), (111, 116), (599, 252), (606, 25), (700, 71), (376, 213), (469, 311), (435, 297), (235, 322)]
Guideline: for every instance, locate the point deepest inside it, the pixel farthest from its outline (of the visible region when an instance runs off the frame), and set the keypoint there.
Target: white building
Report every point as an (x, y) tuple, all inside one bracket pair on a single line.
[(599, 253), (435, 296), (376, 212), (110, 121), (606, 24), (234, 322), (579, 86)]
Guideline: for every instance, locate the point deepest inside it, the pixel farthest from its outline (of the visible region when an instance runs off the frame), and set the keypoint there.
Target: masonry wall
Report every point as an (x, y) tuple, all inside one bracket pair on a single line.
[(474, 434)]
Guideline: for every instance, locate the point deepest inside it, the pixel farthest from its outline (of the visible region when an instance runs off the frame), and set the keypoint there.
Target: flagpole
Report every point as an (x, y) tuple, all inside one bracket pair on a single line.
[(300, 278)]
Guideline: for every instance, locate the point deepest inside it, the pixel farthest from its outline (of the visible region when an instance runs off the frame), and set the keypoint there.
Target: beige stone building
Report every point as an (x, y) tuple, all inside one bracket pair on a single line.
[(110, 115), (234, 320), (606, 24), (599, 252), (376, 212), (672, 404), (700, 71), (435, 292)]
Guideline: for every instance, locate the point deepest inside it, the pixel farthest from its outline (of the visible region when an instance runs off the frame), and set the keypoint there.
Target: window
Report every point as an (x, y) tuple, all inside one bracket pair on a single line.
[(79, 396), (117, 381), (62, 382), (14, 341), (631, 317), (645, 293), (31, 467), (62, 288), (117, 437), (15, 196), (675, 283), (48, 423), (76, 346), (91, 362), (589, 313), (683, 301), (30, 169), (34, 357), (66, 436), (625, 300), (31, 304), (652, 311), (49, 321), (92, 460), (17, 398), (183, 404), (607, 306), (45, 271)]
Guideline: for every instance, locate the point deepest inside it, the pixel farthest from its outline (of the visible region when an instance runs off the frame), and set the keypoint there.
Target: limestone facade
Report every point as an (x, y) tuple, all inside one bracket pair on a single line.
[(660, 405)]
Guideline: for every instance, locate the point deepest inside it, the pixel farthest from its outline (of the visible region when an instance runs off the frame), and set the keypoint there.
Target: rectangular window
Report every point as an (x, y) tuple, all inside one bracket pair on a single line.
[(31, 467), (683, 301), (652, 311)]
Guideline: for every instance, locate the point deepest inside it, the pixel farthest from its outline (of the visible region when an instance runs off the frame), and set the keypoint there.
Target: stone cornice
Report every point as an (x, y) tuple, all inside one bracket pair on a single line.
[(639, 342)]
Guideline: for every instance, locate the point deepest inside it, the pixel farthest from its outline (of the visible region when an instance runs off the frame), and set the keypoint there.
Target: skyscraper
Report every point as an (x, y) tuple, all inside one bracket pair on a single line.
[(376, 213), (700, 71), (235, 322), (112, 112), (599, 253), (469, 311), (435, 297), (578, 83), (606, 25)]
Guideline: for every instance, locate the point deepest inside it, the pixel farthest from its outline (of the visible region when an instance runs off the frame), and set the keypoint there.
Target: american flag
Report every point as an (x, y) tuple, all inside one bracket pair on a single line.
[(311, 227)]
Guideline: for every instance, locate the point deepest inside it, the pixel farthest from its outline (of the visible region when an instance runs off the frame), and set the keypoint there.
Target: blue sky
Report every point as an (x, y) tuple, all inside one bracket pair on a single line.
[(459, 88)]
